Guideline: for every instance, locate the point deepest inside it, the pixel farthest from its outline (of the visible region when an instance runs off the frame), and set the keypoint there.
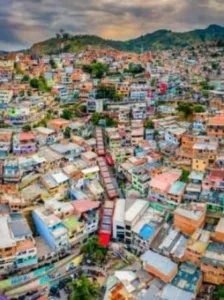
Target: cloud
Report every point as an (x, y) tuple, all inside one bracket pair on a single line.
[(24, 22)]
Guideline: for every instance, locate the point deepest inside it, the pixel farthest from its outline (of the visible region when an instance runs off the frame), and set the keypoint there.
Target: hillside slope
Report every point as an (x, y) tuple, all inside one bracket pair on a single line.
[(158, 40)]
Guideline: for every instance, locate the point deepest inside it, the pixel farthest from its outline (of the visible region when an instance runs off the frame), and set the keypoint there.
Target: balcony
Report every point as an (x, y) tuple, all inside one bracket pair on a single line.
[(78, 238), (191, 197), (22, 263)]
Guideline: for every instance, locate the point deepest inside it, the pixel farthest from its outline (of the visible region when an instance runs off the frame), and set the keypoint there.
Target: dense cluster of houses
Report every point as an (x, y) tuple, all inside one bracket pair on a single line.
[(154, 179)]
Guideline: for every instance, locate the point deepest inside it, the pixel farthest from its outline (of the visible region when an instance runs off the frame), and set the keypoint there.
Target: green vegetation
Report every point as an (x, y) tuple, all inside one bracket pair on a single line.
[(153, 82), (97, 70), (184, 176), (158, 40), (218, 293), (198, 108), (53, 63), (134, 69), (67, 114), (93, 251), (67, 133), (39, 84), (43, 122), (84, 289), (148, 123), (4, 125), (17, 69), (27, 128), (205, 85), (107, 91), (215, 65), (25, 78), (96, 117), (185, 109)]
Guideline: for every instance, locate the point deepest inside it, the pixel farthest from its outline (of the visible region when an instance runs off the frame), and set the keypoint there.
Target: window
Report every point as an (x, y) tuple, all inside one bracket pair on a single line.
[(120, 227)]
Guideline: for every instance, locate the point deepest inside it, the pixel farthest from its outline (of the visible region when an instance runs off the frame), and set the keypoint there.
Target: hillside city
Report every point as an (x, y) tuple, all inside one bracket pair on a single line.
[(112, 174)]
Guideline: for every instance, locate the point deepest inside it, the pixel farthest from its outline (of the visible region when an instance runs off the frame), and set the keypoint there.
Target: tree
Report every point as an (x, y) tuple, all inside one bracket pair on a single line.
[(153, 82), (39, 84), (67, 133), (53, 63), (67, 114), (198, 108), (62, 32), (84, 289), (148, 123), (29, 93), (97, 69), (215, 65), (184, 176), (205, 93), (96, 117), (135, 69), (27, 128), (66, 35), (34, 83), (25, 78), (93, 251), (106, 91), (185, 108)]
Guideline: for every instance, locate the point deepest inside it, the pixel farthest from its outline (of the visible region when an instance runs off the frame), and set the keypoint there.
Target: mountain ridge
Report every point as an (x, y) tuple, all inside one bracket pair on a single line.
[(158, 40)]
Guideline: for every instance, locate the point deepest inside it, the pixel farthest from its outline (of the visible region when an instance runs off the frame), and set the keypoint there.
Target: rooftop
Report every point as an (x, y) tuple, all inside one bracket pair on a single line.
[(19, 225), (217, 120), (177, 188), (44, 130), (220, 226), (199, 241), (171, 292), (119, 211), (71, 223), (135, 209), (187, 277), (196, 175), (82, 206), (163, 264), (165, 180), (214, 255), (6, 240), (194, 212), (26, 136), (64, 148)]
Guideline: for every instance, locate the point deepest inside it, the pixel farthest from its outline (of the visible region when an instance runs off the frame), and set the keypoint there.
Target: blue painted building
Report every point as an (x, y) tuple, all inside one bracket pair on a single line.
[(51, 229)]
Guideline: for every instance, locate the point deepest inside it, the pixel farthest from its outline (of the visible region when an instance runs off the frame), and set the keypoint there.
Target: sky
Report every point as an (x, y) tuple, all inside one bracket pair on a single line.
[(24, 22)]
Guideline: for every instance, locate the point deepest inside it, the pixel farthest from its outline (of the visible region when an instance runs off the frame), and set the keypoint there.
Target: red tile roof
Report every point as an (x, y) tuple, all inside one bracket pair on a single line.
[(82, 206), (26, 136)]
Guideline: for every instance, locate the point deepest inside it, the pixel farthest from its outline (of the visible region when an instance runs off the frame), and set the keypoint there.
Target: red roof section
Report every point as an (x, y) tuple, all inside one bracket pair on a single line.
[(26, 136), (82, 206)]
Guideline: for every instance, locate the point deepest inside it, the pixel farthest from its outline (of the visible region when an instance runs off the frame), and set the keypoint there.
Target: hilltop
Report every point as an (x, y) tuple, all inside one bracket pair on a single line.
[(158, 40)]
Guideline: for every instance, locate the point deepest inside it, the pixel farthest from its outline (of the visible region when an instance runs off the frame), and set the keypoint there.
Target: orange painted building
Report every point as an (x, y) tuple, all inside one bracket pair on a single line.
[(118, 293), (58, 124), (216, 126), (212, 264), (187, 218), (197, 246), (159, 265), (219, 231)]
